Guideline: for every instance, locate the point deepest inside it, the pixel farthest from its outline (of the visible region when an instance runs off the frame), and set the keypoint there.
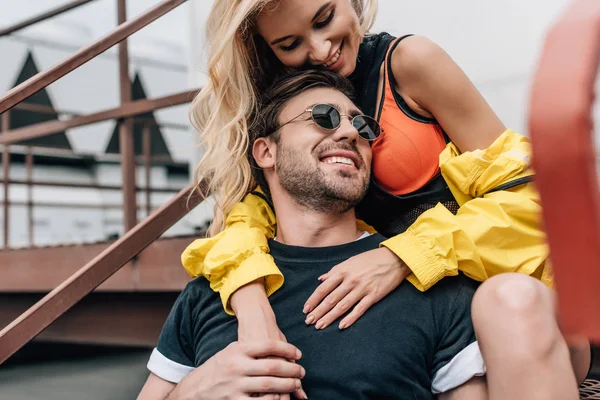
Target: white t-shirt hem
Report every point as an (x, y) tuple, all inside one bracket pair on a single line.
[(167, 369), (464, 366)]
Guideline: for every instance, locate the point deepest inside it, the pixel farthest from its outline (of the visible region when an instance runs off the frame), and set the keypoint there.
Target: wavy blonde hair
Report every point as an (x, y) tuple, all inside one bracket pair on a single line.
[(240, 65)]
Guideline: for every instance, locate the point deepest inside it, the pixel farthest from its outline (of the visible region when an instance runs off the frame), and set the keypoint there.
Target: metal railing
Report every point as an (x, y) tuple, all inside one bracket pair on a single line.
[(30, 183), (139, 236), (561, 126)]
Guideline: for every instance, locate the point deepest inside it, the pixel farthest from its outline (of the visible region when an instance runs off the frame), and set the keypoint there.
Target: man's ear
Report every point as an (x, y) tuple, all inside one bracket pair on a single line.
[(264, 152)]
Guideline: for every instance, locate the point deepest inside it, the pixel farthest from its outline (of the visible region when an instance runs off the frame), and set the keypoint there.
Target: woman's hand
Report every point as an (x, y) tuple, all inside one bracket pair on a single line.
[(256, 320), (360, 281)]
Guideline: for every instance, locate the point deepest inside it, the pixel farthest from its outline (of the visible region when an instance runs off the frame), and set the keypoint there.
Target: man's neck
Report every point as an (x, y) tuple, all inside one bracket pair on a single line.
[(299, 226)]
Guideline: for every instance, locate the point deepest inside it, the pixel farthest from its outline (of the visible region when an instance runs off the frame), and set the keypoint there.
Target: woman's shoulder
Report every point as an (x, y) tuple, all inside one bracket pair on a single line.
[(415, 55), (373, 45)]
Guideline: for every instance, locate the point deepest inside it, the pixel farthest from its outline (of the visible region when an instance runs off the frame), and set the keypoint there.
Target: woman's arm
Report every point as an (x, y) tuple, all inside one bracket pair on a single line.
[(474, 389), (238, 266), (481, 240), (238, 255), (493, 232), (156, 388), (433, 85)]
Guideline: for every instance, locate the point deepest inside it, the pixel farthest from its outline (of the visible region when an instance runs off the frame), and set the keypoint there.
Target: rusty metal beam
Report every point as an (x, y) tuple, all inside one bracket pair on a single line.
[(129, 110), (39, 108), (5, 127), (87, 186), (561, 126), (158, 266), (43, 79), (49, 204), (42, 17), (49, 110), (64, 153), (91, 275), (29, 178), (147, 147), (126, 130)]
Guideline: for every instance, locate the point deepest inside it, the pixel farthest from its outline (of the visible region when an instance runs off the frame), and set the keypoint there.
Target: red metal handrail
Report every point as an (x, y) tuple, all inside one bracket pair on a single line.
[(90, 276), (43, 79), (60, 300), (128, 110), (561, 127)]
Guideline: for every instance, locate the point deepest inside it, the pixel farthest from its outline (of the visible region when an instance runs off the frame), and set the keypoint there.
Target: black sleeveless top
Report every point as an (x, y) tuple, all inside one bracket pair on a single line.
[(391, 214)]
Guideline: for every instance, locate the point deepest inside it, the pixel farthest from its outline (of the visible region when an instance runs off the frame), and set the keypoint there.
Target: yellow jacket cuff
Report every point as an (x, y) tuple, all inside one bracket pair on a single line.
[(426, 268), (256, 266)]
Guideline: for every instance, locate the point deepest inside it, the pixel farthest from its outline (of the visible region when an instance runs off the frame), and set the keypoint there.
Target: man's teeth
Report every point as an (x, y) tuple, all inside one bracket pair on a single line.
[(334, 59), (339, 160)]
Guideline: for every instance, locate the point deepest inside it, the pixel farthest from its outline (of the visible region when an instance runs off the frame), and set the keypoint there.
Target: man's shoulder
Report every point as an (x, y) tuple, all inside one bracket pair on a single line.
[(453, 283), (198, 290), (453, 289)]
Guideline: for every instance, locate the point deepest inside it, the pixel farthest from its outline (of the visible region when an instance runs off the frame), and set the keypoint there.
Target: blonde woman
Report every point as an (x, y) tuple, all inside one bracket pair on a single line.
[(446, 206)]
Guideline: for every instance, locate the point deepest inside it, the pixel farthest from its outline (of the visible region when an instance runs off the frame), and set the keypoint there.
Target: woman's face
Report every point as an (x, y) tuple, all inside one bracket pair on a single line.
[(306, 34)]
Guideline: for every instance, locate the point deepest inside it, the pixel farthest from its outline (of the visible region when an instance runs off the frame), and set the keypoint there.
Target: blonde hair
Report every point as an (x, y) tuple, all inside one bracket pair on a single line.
[(220, 112)]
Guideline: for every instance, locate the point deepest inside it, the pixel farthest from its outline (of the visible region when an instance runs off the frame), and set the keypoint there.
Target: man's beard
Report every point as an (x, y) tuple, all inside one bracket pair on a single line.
[(310, 187)]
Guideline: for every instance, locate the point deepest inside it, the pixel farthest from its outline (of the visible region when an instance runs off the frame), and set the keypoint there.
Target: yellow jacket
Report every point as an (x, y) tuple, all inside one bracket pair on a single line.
[(497, 228)]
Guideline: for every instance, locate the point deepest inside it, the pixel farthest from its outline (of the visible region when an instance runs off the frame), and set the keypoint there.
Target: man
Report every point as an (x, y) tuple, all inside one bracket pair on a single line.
[(409, 345)]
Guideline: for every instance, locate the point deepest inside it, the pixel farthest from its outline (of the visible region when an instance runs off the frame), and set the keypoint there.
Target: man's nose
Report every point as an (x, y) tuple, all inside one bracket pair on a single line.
[(319, 50), (346, 131)]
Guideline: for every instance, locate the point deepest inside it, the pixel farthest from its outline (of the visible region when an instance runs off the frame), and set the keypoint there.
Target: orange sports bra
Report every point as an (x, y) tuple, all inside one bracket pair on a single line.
[(406, 156)]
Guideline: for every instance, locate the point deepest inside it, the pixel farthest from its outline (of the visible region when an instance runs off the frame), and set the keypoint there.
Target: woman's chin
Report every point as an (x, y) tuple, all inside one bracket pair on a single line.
[(347, 69)]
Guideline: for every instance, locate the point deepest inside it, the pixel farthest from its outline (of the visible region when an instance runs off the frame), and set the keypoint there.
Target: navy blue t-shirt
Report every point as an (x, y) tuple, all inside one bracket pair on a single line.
[(409, 345)]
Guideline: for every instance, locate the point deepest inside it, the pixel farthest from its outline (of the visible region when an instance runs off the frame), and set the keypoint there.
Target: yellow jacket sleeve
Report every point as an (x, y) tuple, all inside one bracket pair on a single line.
[(494, 231), (239, 254)]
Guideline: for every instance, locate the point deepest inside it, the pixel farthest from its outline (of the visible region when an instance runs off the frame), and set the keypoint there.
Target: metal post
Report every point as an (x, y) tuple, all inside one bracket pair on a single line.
[(147, 145), (29, 180), (126, 131), (5, 176)]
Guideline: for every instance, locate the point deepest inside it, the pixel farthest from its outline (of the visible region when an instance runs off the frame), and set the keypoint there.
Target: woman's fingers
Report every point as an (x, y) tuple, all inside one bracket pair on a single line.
[(323, 290), (340, 309), (327, 304), (357, 311)]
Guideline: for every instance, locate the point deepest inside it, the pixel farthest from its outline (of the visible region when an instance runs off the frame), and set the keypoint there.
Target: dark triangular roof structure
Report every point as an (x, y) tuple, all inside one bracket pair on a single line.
[(158, 145), (21, 118)]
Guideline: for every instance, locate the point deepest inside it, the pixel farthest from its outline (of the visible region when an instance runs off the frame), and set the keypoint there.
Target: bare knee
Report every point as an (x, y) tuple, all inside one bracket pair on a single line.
[(514, 295), (516, 312)]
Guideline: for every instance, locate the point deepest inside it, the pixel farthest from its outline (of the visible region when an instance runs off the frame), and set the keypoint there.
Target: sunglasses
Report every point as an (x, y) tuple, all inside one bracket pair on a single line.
[(329, 118)]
